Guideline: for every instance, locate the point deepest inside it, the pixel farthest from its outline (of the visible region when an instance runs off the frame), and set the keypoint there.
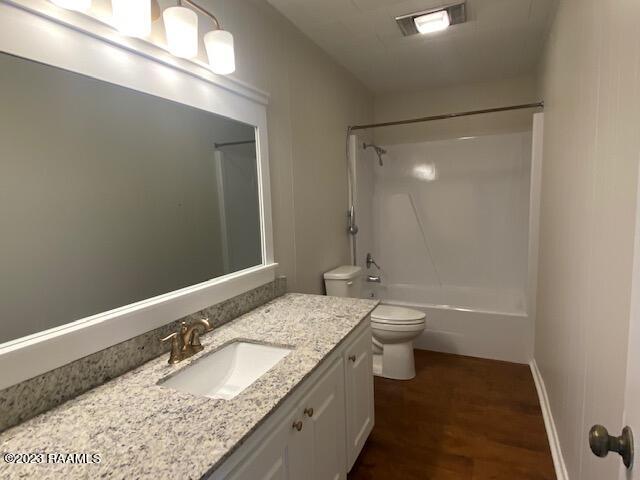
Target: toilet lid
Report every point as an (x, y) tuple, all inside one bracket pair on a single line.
[(392, 314)]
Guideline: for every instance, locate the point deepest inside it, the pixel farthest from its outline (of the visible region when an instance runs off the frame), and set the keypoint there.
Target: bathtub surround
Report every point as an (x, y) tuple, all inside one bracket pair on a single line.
[(167, 432), (449, 226), (44, 392)]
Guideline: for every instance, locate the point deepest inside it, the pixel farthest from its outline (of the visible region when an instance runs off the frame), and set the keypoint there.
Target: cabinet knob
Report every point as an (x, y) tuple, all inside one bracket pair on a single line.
[(352, 358), (308, 412), (297, 425)]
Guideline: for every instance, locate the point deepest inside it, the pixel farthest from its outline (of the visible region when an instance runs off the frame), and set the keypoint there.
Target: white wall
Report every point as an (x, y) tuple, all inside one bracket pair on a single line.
[(313, 100), (460, 98), (590, 84)]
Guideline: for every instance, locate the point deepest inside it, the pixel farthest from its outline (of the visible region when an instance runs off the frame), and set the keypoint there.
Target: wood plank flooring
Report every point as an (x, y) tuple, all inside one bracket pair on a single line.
[(461, 418)]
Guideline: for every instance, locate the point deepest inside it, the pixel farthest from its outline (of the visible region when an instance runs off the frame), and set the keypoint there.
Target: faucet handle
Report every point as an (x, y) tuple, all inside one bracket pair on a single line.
[(370, 261), (171, 336), (175, 355)]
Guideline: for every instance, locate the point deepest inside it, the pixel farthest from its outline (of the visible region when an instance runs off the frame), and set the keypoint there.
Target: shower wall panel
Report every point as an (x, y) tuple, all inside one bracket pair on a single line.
[(451, 215)]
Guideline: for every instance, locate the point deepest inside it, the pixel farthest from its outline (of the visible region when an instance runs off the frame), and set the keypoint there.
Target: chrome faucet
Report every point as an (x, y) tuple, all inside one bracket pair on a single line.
[(370, 261), (186, 342)]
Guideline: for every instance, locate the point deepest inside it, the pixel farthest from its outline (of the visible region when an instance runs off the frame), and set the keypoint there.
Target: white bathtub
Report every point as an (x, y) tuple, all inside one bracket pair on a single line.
[(466, 321)]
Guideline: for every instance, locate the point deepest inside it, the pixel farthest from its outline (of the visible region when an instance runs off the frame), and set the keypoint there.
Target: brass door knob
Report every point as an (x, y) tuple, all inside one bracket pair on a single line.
[(352, 358), (602, 443), (308, 412), (297, 425)]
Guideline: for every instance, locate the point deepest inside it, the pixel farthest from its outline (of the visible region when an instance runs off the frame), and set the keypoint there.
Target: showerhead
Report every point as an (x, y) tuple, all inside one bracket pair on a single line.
[(379, 151)]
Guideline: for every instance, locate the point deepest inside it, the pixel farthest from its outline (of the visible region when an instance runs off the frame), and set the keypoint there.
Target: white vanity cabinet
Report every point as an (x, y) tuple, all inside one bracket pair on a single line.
[(319, 431)]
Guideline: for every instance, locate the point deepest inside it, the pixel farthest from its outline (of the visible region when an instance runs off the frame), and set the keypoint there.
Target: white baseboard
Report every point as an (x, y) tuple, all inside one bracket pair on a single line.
[(552, 433)]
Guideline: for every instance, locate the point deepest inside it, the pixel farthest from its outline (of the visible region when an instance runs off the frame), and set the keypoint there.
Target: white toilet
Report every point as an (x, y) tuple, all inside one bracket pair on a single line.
[(394, 328)]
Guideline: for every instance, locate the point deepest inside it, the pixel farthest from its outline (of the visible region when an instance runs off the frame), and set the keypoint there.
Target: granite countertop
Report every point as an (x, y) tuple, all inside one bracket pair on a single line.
[(144, 430)]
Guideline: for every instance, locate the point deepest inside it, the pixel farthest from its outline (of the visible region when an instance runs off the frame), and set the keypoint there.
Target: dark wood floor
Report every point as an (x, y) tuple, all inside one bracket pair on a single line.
[(461, 418)]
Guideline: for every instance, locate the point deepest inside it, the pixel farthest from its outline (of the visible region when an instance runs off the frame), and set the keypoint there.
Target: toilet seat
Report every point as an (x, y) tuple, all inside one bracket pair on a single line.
[(398, 327), (392, 315)]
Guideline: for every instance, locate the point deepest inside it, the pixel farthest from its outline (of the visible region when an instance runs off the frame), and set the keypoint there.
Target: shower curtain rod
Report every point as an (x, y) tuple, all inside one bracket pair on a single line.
[(229, 144), (448, 115)]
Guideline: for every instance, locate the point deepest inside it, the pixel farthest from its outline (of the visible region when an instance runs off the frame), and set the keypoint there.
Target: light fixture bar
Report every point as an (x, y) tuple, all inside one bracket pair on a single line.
[(202, 10)]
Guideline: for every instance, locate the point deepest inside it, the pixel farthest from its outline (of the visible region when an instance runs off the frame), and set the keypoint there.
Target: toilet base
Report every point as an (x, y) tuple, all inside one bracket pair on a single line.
[(396, 362), (377, 364)]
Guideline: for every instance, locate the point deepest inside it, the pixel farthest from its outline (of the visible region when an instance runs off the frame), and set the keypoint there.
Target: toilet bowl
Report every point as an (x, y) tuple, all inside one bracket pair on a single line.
[(394, 328)]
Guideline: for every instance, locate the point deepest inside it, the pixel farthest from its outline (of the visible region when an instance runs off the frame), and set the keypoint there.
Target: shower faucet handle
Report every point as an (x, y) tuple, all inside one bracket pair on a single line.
[(370, 261)]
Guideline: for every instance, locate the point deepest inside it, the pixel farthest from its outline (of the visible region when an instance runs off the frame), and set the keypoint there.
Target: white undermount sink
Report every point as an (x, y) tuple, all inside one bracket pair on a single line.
[(228, 371)]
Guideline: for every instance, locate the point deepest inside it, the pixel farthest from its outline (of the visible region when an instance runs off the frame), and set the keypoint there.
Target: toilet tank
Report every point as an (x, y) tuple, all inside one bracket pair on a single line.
[(344, 281)]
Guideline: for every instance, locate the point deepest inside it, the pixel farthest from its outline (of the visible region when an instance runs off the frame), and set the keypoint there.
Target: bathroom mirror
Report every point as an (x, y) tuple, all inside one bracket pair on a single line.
[(110, 196)]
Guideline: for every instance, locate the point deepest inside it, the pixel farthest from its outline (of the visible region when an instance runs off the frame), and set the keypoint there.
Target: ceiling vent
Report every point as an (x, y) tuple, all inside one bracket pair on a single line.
[(456, 14)]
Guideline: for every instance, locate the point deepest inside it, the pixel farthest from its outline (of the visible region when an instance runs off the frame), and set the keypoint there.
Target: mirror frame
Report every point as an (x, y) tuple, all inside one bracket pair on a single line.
[(37, 30)]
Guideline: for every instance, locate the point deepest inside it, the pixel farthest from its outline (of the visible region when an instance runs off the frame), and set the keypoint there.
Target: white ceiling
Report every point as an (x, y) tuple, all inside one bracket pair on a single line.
[(501, 39)]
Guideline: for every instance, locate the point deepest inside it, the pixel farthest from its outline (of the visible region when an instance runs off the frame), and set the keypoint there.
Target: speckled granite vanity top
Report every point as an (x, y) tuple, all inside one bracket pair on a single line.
[(143, 430)]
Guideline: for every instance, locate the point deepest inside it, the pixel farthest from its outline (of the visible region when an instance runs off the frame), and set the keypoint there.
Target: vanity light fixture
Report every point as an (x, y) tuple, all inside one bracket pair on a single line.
[(132, 17), (220, 50), (79, 5), (181, 27), (218, 42)]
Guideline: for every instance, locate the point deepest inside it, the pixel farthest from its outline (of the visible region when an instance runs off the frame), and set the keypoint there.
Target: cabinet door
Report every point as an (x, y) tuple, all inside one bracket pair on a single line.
[(359, 394), (324, 412), (268, 462), (299, 446)]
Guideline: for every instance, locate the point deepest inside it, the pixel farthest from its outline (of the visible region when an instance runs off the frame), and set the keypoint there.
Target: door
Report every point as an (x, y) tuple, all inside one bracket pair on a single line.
[(632, 392), (616, 432), (359, 394)]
